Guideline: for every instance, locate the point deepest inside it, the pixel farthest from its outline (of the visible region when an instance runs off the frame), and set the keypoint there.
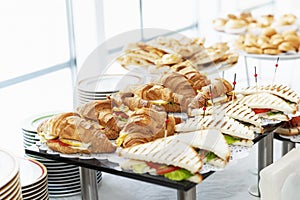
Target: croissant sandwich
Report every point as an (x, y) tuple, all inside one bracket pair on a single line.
[(101, 111), (68, 133), (145, 125)]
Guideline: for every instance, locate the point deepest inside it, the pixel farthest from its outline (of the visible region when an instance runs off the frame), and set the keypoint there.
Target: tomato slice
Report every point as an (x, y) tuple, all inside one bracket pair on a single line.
[(155, 165), (59, 142), (162, 169), (260, 110), (295, 121), (167, 169)]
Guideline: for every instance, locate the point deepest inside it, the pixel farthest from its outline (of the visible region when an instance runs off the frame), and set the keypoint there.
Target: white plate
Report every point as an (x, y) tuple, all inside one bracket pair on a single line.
[(64, 187), (63, 171), (64, 174), (13, 194), (31, 123), (107, 83), (9, 167), (29, 134), (67, 180), (59, 178), (8, 189), (59, 167), (293, 138), (31, 171), (287, 56), (64, 193), (69, 184), (37, 186), (37, 194), (62, 190), (10, 185)]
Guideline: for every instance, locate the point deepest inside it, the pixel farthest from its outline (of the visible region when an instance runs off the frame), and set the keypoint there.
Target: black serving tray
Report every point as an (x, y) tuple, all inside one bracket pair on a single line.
[(110, 167)]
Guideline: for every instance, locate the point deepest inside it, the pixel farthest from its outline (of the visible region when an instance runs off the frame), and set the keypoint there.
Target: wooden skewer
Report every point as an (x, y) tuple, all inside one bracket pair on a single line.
[(276, 66)]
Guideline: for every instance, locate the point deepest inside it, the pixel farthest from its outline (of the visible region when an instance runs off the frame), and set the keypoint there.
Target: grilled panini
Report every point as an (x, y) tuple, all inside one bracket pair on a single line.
[(282, 91), (225, 124), (235, 110), (270, 101)]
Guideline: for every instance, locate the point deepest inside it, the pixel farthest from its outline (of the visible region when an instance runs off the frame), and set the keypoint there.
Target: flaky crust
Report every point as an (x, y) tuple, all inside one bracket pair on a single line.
[(147, 125), (91, 109), (77, 130)]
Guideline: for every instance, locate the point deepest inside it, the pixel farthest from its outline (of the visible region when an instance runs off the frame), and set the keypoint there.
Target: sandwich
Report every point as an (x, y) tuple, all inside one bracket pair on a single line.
[(269, 106), (281, 91), (68, 133), (102, 112), (289, 128), (172, 159), (234, 132), (236, 110), (210, 144), (142, 54), (145, 125)]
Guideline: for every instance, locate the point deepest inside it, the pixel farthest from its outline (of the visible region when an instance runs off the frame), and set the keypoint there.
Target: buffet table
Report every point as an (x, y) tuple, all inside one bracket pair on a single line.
[(185, 190)]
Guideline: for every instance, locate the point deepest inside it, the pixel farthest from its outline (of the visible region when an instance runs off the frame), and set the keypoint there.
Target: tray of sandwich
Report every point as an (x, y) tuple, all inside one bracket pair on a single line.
[(163, 54)]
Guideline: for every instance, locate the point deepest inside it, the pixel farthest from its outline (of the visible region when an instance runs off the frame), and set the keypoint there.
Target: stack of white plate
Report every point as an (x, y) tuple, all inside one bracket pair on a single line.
[(10, 187), (99, 87), (63, 179), (34, 179), (29, 128)]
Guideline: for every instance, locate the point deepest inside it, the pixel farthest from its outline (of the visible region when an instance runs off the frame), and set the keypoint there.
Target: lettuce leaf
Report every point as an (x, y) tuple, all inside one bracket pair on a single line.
[(230, 140), (178, 175), (210, 156)]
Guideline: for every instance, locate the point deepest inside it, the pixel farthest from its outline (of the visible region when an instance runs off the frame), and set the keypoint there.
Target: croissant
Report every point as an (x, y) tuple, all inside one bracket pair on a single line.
[(75, 135), (187, 69), (146, 125), (179, 84), (101, 111), (91, 109)]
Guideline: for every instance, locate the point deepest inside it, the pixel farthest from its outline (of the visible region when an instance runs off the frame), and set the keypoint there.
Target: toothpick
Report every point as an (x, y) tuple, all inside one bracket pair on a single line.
[(234, 81), (276, 66), (233, 90), (166, 125), (255, 75), (204, 108), (211, 95)]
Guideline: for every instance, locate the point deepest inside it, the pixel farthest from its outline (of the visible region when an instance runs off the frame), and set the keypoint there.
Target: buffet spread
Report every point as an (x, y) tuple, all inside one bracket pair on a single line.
[(262, 36), (178, 128)]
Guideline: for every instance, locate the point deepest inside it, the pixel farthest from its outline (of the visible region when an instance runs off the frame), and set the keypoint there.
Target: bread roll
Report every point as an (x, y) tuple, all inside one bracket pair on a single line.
[(293, 40), (219, 24), (271, 51), (235, 24), (286, 46), (254, 50), (269, 31)]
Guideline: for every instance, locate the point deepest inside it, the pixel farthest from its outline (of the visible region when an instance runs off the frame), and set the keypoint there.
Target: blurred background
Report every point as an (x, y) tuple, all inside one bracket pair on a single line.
[(44, 44)]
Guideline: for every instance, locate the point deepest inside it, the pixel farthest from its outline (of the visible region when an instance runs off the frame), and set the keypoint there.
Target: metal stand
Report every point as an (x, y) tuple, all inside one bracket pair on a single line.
[(89, 189), (286, 147), (265, 158), (188, 195)]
